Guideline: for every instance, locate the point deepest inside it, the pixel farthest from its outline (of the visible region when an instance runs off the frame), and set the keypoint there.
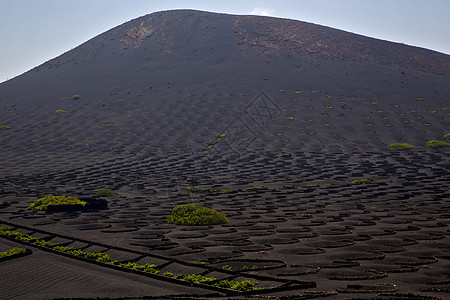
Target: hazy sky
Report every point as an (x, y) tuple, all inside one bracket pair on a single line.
[(35, 31)]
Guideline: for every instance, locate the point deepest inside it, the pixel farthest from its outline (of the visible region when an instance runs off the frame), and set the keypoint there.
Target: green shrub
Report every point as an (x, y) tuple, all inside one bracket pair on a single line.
[(362, 181), (246, 285), (400, 146), (11, 252), (447, 136), (63, 248), (107, 125), (198, 262), (192, 214), (227, 267), (256, 188), (5, 231), (43, 203), (197, 278), (437, 144), (98, 256), (105, 193), (76, 97), (311, 185), (60, 112), (149, 268), (4, 127), (44, 243)]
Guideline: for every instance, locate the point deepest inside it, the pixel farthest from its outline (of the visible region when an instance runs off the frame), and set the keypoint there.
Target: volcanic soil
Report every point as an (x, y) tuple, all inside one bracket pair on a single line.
[(270, 121)]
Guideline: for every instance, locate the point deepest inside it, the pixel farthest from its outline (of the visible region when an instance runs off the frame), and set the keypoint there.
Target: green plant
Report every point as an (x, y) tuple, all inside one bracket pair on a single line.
[(76, 97), (107, 125), (219, 139), (4, 127), (246, 285), (256, 188), (105, 193), (198, 262), (192, 215), (149, 268), (44, 243), (362, 181), (311, 185), (13, 251), (447, 136), (63, 248), (98, 256), (60, 112), (43, 203), (400, 146), (197, 278), (5, 231), (229, 191), (437, 144)]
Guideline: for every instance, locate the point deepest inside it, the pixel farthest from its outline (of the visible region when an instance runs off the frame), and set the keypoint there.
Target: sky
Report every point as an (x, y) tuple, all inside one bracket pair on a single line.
[(35, 31)]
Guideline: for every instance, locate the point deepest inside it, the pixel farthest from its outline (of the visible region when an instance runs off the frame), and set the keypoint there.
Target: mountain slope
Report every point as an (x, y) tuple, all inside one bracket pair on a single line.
[(203, 70), (284, 126), (180, 39)]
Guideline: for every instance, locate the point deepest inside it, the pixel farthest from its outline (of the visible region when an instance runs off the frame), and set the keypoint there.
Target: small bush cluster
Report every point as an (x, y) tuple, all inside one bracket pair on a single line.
[(105, 193), (196, 215), (98, 256), (362, 181), (60, 112), (219, 139), (43, 203), (11, 252), (198, 262), (312, 185), (245, 285), (76, 97), (149, 268), (400, 146), (4, 127), (197, 278), (256, 188), (437, 144), (447, 136)]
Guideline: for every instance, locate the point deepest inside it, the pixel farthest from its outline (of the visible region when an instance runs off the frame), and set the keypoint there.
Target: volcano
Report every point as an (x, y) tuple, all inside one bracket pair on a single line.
[(286, 127)]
